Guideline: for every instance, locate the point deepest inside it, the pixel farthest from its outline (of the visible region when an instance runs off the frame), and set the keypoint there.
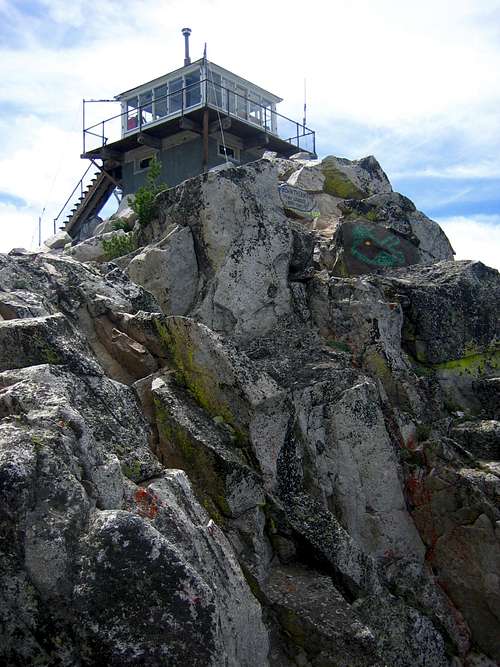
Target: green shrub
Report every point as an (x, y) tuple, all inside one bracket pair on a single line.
[(339, 345), (119, 245), (144, 203), (120, 224)]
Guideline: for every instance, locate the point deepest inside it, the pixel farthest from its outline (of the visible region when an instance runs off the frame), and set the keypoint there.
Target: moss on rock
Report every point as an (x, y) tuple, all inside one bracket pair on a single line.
[(338, 184), (189, 455)]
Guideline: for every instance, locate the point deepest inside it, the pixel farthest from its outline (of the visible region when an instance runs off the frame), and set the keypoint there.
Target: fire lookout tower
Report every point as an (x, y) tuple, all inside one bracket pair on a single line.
[(193, 119)]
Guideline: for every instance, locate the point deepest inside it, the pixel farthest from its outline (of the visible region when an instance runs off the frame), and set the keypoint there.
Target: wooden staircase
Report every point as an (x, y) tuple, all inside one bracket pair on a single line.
[(91, 200)]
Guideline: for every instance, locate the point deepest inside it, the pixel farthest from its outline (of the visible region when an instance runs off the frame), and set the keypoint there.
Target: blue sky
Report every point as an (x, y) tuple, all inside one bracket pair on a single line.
[(415, 84)]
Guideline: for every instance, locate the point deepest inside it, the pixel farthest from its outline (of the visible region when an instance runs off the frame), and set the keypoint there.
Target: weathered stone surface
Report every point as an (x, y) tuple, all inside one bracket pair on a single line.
[(353, 179), (487, 391), (450, 309), (239, 231), (404, 635), (20, 303), (481, 438), (321, 421), (309, 177), (219, 469), (301, 259), (393, 211), (58, 241), (320, 623), (91, 249), (225, 384), (69, 509), (169, 271), (191, 604), (38, 340), (456, 510), (364, 475), (451, 323)]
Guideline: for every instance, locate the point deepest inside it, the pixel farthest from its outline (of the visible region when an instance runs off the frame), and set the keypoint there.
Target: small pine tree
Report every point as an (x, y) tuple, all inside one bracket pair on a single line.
[(144, 203)]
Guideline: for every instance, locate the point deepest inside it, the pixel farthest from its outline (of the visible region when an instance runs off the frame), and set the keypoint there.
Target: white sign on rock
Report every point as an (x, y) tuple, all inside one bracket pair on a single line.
[(295, 199)]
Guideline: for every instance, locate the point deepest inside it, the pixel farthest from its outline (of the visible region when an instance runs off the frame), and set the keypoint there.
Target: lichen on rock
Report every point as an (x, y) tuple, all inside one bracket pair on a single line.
[(255, 440)]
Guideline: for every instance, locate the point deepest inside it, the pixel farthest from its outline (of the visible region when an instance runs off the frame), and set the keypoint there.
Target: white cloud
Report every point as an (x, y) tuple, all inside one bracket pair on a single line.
[(487, 169), (18, 227), (476, 237)]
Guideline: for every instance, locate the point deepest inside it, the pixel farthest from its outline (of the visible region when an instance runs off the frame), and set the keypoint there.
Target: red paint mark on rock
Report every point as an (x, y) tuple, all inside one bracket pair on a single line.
[(147, 502)]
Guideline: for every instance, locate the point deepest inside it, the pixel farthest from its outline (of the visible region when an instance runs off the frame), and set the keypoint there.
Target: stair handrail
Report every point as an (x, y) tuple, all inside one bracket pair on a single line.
[(79, 184)]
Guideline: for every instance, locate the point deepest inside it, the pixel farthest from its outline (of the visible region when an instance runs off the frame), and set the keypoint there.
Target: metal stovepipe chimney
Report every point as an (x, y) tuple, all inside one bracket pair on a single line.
[(186, 32)]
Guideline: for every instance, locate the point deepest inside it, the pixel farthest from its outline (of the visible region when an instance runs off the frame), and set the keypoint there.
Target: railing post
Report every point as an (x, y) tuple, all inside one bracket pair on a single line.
[(102, 133), (297, 144), (314, 143)]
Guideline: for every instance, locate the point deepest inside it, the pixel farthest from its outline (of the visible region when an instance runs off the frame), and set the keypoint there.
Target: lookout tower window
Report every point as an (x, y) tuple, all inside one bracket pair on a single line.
[(142, 164), (229, 152), (254, 108), (175, 97), (230, 101), (214, 88), (132, 117), (146, 104), (161, 101), (193, 92)]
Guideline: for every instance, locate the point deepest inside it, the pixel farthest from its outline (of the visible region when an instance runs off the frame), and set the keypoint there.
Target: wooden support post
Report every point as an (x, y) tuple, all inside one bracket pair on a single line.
[(205, 139)]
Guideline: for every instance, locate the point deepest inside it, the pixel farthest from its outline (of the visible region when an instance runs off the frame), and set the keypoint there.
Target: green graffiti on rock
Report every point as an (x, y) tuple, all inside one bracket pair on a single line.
[(376, 250)]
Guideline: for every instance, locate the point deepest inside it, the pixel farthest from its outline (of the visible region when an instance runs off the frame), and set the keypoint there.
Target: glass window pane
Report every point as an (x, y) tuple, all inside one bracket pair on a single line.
[(146, 104), (161, 102), (175, 97), (266, 113), (229, 101), (241, 101), (254, 109), (193, 92), (132, 117), (214, 88)]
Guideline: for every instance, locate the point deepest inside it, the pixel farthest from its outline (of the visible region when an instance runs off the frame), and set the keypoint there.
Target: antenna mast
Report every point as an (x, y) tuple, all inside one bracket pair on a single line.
[(305, 102)]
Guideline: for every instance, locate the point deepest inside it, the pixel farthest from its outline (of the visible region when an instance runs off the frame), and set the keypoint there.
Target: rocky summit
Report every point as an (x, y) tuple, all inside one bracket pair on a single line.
[(261, 428)]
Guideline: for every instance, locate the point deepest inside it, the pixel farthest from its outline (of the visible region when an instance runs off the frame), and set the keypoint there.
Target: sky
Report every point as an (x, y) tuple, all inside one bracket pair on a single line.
[(416, 84)]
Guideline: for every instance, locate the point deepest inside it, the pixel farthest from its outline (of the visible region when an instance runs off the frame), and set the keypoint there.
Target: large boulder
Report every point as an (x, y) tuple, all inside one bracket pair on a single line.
[(102, 248), (58, 240), (242, 241), (455, 506), (111, 571), (353, 179), (450, 323), (169, 270), (224, 383)]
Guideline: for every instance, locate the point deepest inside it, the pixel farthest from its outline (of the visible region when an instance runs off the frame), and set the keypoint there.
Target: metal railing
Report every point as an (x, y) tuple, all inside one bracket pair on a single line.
[(194, 96), (69, 201)]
